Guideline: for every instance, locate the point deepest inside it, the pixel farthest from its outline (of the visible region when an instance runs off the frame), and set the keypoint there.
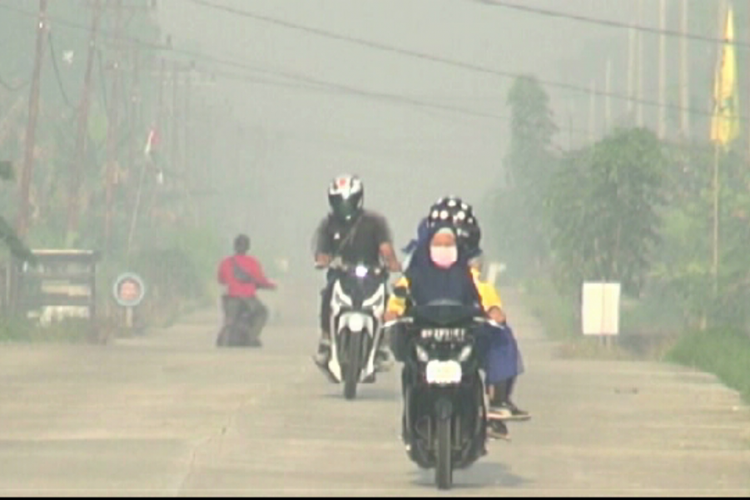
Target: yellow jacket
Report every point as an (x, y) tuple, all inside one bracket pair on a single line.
[(487, 292)]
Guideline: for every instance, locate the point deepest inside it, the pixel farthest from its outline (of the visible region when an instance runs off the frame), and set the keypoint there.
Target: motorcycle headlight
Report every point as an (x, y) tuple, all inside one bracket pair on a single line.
[(360, 271), (422, 354), (465, 353)]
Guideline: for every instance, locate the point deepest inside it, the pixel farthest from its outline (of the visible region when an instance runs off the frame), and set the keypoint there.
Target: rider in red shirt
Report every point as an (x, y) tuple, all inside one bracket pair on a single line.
[(243, 276)]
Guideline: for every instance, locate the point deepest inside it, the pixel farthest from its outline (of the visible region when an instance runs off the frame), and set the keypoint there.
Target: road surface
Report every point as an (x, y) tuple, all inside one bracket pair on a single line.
[(169, 415)]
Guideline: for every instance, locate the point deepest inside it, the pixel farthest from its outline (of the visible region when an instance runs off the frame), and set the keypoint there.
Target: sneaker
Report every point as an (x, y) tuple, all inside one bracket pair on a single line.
[(498, 430), (383, 360), (499, 413), (324, 350), (515, 412)]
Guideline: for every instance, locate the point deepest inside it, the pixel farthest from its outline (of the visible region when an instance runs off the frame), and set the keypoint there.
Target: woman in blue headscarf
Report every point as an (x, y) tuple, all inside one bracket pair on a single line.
[(503, 362)]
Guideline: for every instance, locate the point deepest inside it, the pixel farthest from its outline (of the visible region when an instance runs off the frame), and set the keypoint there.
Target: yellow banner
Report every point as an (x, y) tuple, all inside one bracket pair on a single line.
[(725, 123)]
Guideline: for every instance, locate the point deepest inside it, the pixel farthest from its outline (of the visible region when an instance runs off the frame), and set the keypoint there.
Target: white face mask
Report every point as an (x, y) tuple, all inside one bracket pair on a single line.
[(444, 257)]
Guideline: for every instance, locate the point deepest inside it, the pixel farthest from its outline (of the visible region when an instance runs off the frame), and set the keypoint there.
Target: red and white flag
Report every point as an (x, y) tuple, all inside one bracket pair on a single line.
[(151, 142)]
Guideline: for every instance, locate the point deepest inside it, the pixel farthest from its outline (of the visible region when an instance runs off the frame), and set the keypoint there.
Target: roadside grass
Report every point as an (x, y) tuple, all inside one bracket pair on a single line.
[(69, 331), (724, 352), (647, 332)]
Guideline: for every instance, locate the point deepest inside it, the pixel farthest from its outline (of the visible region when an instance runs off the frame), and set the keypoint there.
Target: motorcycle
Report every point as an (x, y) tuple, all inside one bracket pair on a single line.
[(445, 411), (357, 305), (235, 332)]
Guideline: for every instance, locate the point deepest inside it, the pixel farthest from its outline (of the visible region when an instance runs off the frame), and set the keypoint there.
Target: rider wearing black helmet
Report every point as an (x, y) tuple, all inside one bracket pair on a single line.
[(354, 235)]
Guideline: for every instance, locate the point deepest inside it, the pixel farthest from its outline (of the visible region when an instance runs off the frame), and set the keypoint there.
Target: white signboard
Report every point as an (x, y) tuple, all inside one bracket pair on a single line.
[(601, 309)]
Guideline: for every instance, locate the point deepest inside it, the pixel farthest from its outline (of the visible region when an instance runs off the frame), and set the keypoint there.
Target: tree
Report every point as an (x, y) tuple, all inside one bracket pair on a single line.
[(7, 234), (683, 270), (603, 211), (530, 162)]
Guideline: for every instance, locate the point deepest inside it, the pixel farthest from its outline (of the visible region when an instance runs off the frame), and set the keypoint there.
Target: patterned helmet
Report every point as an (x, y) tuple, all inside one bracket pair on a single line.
[(459, 215), (346, 197)]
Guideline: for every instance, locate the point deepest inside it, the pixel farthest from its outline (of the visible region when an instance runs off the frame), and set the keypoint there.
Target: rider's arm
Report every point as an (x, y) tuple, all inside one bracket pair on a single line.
[(491, 301), (323, 244), (256, 271), (385, 242), (389, 254)]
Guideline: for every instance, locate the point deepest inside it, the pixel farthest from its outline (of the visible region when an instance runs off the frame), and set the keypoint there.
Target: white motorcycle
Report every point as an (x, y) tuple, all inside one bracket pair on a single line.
[(357, 306)]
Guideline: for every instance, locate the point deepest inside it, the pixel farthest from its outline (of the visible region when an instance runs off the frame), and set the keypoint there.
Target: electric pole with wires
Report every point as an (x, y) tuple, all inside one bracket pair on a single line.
[(76, 170), (30, 137), (113, 130)]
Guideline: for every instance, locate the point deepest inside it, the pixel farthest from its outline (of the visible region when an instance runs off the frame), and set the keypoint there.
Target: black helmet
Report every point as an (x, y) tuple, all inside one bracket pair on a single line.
[(241, 244), (460, 215), (346, 197)]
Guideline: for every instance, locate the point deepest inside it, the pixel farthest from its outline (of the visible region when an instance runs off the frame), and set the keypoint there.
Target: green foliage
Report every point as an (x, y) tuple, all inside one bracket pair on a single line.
[(6, 171), (517, 209), (724, 352), (602, 211), (69, 331), (8, 235)]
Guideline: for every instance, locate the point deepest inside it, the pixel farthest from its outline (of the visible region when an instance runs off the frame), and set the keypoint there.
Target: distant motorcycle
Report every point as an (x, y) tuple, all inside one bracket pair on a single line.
[(236, 329), (445, 418), (357, 305)]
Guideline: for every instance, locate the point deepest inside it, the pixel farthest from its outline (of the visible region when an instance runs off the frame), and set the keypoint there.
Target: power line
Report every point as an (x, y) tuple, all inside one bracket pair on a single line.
[(605, 22), (437, 59), (374, 45), (297, 77), (13, 88), (306, 85)]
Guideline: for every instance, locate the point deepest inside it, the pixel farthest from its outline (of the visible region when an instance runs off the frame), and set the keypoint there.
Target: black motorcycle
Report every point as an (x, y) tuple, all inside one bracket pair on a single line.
[(236, 329), (445, 416)]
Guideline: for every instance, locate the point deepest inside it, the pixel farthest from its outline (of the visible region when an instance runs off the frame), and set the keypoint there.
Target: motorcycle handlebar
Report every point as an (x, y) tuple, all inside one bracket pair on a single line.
[(410, 320)]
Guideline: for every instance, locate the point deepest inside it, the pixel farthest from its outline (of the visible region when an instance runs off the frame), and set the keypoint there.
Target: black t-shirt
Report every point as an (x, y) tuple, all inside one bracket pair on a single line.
[(354, 242)]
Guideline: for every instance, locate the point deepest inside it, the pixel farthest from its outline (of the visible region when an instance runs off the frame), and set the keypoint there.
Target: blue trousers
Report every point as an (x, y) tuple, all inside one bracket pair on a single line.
[(503, 360)]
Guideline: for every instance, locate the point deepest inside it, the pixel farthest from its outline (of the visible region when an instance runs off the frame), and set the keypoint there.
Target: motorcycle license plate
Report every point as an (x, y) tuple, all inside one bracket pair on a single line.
[(443, 372)]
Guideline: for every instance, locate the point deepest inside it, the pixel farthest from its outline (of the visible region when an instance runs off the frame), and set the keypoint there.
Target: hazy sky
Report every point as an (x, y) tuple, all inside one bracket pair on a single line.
[(408, 156)]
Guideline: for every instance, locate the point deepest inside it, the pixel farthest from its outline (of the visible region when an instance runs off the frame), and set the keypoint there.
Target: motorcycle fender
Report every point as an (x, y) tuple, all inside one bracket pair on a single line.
[(355, 322), (443, 409)]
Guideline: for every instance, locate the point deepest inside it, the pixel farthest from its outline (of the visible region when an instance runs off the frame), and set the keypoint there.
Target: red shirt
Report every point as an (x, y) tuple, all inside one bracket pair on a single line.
[(243, 276)]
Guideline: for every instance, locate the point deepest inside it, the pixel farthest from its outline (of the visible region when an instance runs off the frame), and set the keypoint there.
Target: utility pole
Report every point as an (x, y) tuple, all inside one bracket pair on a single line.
[(592, 113), (684, 71), (30, 138), (662, 130), (175, 118), (747, 83), (607, 98), (187, 126), (134, 113), (79, 159), (639, 92), (631, 70), (113, 131)]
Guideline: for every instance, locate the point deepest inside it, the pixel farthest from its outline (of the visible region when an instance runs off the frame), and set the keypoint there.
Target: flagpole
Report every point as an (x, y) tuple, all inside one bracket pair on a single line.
[(716, 188), (717, 157)]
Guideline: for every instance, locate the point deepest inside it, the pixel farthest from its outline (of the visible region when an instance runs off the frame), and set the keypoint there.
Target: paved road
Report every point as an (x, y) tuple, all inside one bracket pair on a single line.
[(169, 415)]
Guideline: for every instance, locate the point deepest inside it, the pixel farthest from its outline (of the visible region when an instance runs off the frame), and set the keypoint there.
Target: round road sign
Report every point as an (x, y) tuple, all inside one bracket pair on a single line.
[(129, 290)]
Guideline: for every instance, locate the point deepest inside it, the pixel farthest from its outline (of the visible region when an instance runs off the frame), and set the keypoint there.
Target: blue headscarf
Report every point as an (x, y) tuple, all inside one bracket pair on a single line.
[(427, 282), (422, 234)]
